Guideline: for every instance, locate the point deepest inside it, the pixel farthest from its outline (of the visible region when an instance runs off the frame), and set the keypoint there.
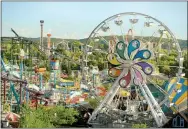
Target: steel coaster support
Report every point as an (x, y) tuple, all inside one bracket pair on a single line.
[(21, 76), (4, 90), (27, 96), (30, 67), (14, 92), (10, 100), (40, 76), (54, 78), (3, 65)]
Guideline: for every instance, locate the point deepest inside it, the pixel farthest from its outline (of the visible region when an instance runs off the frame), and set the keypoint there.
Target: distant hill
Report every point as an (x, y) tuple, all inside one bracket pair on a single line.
[(183, 43)]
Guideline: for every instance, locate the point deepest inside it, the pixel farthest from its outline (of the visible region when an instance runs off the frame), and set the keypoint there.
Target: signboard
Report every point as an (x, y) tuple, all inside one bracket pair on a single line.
[(66, 83)]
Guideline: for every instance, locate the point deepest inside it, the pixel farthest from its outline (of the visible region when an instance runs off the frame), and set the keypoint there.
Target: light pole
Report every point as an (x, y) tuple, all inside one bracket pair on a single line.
[(41, 80), (22, 54), (94, 72), (41, 38)]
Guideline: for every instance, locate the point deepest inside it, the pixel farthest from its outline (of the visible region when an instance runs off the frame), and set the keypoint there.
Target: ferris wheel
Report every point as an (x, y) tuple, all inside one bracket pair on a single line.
[(135, 44)]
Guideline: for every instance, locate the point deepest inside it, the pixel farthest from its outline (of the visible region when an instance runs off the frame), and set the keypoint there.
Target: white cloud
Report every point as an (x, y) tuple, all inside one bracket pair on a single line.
[(73, 36), (65, 36), (57, 37), (24, 32)]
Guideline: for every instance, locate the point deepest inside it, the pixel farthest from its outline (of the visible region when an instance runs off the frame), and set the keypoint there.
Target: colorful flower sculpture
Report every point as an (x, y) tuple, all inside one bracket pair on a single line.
[(129, 56)]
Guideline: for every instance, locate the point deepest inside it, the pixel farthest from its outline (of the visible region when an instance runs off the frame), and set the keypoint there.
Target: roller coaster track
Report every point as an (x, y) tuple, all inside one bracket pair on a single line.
[(61, 55), (37, 46), (5, 77), (11, 79)]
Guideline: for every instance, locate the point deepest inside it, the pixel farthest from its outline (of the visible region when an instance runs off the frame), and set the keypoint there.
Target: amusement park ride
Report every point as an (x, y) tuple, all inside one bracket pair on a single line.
[(131, 57), (132, 62)]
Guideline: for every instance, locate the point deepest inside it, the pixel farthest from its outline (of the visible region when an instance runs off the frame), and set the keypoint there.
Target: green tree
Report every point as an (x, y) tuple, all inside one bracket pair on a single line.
[(93, 102), (76, 43), (166, 70), (63, 116), (46, 76), (47, 118), (107, 86), (31, 118)]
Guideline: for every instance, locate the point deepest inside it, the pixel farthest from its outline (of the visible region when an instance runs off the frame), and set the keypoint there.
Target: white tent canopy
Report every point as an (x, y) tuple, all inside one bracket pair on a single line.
[(76, 93), (82, 86)]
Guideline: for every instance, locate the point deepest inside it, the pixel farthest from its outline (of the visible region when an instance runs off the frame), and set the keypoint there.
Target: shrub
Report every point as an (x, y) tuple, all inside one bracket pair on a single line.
[(43, 117), (139, 125)]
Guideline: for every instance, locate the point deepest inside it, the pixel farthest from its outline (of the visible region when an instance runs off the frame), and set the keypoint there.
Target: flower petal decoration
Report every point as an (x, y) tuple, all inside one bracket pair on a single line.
[(125, 81), (112, 58), (146, 68), (137, 77), (136, 63), (114, 72), (142, 54), (120, 48), (133, 45)]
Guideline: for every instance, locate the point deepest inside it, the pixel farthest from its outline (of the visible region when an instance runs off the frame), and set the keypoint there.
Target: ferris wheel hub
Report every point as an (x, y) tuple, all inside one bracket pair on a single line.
[(127, 63)]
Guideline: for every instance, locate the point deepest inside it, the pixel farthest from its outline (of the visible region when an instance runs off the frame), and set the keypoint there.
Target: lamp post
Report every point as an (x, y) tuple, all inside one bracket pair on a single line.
[(94, 72), (22, 54), (40, 78), (54, 78), (40, 70)]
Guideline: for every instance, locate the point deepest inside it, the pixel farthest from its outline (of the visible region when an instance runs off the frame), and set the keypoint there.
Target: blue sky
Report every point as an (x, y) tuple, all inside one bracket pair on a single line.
[(78, 19)]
